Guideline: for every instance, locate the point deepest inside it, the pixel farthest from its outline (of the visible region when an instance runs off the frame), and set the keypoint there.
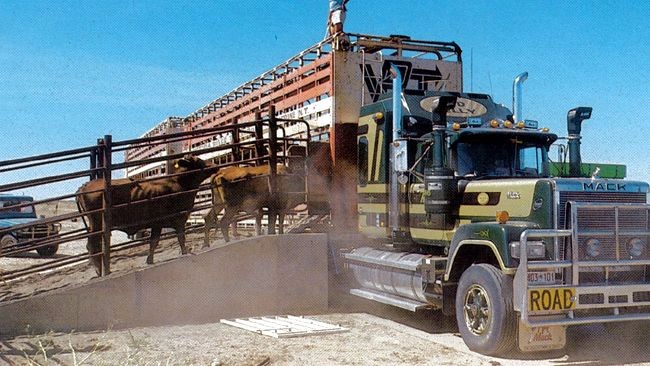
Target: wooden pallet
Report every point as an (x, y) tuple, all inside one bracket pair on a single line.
[(284, 326)]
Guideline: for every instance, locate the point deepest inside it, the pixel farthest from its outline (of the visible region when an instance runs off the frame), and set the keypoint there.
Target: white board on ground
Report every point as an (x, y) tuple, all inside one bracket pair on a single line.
[(284, 326)]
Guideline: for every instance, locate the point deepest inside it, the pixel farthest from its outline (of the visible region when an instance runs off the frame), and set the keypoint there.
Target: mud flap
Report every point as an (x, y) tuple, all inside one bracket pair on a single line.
[(449, 298), (544, 338)]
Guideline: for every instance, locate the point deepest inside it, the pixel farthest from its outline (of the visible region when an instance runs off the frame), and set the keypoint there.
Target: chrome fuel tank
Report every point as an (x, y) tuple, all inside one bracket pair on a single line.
[(394, 273)]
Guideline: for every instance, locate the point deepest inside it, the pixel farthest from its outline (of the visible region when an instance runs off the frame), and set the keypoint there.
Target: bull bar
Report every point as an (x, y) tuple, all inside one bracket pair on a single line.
[(608, 292)]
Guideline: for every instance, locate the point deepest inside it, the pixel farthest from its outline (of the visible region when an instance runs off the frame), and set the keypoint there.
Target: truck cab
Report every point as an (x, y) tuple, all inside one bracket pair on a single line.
[(470, 215), (19, 226)]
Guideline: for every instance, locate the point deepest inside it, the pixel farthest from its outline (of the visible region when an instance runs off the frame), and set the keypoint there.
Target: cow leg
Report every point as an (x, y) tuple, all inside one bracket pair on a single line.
[(233, 226), (210, 223), (180, 234), (94, 247), (258, 222), (226, 219), (153, 243), (94, 243)]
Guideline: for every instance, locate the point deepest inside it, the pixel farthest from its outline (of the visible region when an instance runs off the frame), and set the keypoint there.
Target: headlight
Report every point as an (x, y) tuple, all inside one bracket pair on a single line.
[(635, 247), (593, 247), (534, 249)]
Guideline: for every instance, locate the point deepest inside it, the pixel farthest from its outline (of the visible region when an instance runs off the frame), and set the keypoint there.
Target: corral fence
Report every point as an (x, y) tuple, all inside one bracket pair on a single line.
[(34, 185)]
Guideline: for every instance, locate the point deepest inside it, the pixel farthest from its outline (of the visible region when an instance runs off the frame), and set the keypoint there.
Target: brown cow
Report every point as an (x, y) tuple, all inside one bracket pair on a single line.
[(230, 174), (154, 204), (246, 189)]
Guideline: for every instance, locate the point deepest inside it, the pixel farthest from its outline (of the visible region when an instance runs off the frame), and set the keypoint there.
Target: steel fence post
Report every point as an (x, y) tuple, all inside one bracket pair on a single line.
[(107, 205)]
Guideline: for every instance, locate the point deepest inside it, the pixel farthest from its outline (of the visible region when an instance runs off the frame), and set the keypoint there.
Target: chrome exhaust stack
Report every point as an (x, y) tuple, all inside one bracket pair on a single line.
[(398, 154), (517, 96)]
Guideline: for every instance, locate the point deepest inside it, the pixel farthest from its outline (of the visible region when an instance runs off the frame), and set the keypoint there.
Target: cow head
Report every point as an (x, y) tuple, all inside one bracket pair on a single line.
[(189, 162), (193, 171)]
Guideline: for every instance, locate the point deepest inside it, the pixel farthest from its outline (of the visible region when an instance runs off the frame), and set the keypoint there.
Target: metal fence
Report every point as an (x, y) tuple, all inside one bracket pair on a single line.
[(262, 141)]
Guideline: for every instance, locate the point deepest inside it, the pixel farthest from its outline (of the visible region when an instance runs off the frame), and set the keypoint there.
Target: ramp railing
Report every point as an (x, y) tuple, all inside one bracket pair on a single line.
[(38, 210)]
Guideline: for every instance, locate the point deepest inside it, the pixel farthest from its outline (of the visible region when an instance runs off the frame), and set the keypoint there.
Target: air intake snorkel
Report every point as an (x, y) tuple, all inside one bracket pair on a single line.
[(575, 117), (440, 183)]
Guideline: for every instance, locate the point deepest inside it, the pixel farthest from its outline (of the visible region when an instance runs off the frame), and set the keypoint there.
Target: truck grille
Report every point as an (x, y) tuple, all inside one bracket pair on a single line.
[(614, 229), (36, 231), (613, 224), (604, 197)]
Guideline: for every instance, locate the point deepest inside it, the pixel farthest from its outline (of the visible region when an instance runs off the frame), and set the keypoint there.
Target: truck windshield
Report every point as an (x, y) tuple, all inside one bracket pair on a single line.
[(511, 158), (7, 212)]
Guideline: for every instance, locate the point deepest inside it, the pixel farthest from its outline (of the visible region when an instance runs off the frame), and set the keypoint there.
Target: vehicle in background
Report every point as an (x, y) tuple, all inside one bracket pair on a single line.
[(19, 226)]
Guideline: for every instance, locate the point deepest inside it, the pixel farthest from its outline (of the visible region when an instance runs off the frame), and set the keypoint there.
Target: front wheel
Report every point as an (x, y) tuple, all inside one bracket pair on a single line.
[(484, 311), (7, 241)]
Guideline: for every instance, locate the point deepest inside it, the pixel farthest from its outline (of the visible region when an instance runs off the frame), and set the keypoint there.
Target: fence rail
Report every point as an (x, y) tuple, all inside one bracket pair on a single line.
[(24, 228)]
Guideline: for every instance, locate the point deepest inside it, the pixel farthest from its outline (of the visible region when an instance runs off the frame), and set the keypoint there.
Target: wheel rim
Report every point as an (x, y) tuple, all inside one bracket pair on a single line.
[(477, 310)]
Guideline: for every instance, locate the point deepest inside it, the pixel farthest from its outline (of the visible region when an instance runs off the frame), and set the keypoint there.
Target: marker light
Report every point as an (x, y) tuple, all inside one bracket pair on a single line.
[(507, 124), (474, 122), (502, 217), (531, 123), (521, 124), (494, 123), (455, 126), (545, 129), (378, 116)]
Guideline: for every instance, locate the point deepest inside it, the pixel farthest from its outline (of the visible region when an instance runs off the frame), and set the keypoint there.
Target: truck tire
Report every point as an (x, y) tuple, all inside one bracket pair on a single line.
[(47, 251), (484, 311), (6, 241)]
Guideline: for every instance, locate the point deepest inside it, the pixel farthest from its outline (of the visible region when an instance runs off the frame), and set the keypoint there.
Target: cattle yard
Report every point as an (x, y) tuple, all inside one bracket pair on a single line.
[(260, 142)]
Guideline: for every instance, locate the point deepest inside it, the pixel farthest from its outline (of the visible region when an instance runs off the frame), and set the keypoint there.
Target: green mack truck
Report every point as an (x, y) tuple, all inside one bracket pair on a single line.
[(469, 215)]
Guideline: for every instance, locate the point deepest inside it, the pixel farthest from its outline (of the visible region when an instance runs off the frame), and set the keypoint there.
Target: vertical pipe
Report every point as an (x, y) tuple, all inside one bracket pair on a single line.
[(172, 126), (517, 96), (273, 153), (394, 209), (99, 158), (575, 117), (236, 155), (273, 165), (107, 204), (259, 136), (93, 163)]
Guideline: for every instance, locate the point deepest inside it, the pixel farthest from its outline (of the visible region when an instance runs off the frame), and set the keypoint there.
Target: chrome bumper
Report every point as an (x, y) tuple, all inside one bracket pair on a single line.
[(608, 303)]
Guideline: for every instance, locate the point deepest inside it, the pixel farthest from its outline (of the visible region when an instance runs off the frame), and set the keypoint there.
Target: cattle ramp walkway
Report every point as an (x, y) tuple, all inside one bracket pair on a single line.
[(266, 275)]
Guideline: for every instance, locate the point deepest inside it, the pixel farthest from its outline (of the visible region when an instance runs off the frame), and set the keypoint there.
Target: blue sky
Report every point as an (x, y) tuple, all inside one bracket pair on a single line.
[(72, 71)]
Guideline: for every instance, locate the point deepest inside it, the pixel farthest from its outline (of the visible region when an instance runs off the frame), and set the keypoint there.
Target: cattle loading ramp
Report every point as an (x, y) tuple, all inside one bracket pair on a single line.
[(265, 275)]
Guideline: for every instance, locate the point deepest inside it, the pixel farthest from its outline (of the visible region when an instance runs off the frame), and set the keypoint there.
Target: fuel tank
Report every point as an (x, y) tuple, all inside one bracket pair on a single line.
[(394, 273)]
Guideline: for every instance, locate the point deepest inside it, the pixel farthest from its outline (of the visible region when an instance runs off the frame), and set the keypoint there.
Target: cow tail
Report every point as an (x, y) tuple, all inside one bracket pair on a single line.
[(78, 201)]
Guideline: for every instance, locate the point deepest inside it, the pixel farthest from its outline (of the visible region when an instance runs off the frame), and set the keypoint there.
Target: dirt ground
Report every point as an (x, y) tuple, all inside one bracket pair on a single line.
[(377, 334), (393, 338)]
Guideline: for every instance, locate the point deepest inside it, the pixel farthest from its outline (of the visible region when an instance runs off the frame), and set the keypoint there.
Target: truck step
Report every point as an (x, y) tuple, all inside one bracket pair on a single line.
[(388, 299)]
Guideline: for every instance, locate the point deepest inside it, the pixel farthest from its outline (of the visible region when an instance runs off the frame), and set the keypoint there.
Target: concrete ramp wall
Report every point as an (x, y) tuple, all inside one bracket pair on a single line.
[(270, 275)]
